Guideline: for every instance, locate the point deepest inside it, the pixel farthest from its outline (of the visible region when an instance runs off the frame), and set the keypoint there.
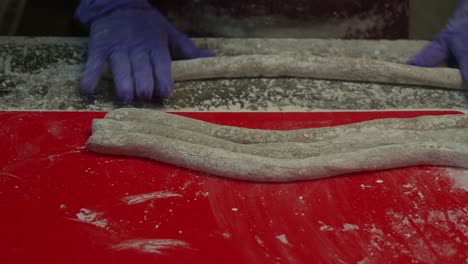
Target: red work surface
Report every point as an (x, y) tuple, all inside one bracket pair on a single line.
[(61, 203)]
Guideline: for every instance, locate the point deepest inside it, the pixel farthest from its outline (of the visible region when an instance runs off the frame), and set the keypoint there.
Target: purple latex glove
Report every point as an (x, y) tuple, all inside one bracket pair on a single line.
[(452, 42), (138, 42)]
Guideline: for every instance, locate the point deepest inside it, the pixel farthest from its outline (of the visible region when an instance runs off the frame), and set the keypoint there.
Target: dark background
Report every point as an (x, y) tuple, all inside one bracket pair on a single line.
[(246, 18)]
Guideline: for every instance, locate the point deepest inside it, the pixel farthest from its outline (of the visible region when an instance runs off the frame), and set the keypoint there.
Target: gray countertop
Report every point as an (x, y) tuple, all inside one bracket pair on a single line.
[(44, 73)]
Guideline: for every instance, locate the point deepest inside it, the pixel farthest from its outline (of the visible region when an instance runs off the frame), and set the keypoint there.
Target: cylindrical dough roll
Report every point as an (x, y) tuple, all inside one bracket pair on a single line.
[(288, 150), (257, 168), (250, 136), (304, 66)]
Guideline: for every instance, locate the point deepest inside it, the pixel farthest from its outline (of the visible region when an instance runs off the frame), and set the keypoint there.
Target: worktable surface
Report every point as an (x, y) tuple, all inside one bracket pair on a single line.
[(43, 73), (63, 204), (60, 203)]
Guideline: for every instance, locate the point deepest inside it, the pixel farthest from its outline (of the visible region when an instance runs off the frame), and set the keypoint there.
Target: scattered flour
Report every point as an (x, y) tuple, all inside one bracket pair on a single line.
[(152, 246), (458, 217), (350, 227), (420, 195), (324, 227), (91, 217), (259, 241), (140, 198), (364, 261), (409, 226), (408, 186), (283, 239), (459, 177)]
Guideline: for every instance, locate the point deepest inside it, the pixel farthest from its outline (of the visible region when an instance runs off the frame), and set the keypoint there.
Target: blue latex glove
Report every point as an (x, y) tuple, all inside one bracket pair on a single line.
[(451, 43), (138, 42)]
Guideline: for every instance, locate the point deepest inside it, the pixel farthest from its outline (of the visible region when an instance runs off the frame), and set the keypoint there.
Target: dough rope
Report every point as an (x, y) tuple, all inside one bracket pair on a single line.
[(250, 136), (303, 66), (257, 168), (289, 150), (358, 147)]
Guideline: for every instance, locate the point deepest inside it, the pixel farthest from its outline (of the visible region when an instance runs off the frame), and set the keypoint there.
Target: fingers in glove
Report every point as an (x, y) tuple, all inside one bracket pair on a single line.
[(463, 64), (93, 71), (142, 75), (434, 54), (460, 51), (204, 54), (183, 48), (162, 71), (122, 74)]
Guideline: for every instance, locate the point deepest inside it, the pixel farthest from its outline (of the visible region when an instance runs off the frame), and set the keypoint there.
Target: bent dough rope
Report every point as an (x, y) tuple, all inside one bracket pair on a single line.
[(249, 136), (288, 150), (304, 66), (431, 140), (257, 168)]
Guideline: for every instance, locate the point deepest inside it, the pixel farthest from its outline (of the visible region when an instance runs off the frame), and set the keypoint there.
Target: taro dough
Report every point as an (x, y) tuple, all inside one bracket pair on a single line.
[(323, 68), (326, 152)]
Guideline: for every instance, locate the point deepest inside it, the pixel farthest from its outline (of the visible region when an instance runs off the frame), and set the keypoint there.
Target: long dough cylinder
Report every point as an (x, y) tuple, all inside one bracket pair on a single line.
[(289, 150), (299, 65), (257, 168), (250, 136)]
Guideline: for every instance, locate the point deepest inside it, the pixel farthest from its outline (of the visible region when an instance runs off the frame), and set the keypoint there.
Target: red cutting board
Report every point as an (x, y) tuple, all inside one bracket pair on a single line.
[(61, 203)]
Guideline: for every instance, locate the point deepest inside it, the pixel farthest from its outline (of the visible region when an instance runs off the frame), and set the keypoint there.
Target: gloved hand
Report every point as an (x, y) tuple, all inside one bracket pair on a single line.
[(451, 43), (138, 42)]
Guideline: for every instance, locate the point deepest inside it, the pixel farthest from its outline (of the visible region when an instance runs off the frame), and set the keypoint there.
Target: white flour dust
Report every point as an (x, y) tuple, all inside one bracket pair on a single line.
[(259, 241), (450, 222), (91, 217), (459, 177), (350, 227), (283, 239), (324, 227), (140, 198), (152, 246)]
